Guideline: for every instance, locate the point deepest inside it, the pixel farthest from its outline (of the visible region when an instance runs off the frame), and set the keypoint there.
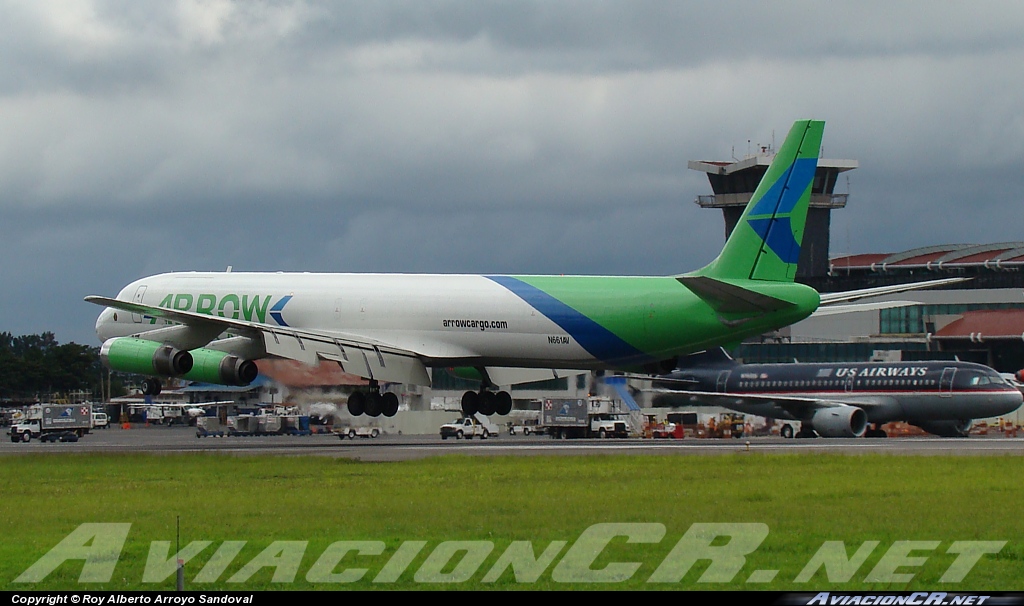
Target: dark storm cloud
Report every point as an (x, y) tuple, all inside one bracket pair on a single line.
[(540, 137)]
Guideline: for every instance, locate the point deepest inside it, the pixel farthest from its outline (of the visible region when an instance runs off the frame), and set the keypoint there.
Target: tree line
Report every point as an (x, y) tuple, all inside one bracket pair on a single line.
[(35, 366)]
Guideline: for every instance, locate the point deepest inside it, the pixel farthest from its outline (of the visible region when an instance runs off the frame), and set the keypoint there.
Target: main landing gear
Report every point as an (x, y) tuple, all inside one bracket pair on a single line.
[(486, 403), (373, 403), (151, 387), (875, 431)]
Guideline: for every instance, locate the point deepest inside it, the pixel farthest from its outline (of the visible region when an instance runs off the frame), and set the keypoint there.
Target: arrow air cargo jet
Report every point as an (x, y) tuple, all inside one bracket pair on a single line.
[(501, 329)]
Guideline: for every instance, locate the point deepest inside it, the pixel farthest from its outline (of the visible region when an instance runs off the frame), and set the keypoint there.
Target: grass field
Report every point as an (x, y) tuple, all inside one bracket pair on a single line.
[(592, 522)]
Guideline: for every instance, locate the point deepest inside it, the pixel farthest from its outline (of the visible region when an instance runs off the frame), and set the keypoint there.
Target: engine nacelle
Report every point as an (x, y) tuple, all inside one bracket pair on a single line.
[(467, 373), (211, 366), (840, 422), (947, 429), (139, 356)]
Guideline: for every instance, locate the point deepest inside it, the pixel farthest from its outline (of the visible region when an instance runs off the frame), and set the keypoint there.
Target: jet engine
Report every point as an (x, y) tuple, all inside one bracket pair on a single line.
[(210, 366), (139, 356), (947, 429), (840, 422)]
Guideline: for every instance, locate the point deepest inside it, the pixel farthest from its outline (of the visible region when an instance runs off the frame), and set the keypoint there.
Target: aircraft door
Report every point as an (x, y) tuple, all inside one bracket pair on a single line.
[(723, 379), (946, 382), (139, 294), (848, 384)]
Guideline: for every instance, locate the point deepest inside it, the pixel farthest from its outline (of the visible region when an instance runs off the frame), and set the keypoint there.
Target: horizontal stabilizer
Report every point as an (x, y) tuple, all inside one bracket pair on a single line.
[(724, 297), (833, 310), (852, 295)]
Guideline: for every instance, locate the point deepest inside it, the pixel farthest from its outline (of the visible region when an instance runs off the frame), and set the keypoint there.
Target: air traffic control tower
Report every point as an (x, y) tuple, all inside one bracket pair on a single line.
[(733, 184)]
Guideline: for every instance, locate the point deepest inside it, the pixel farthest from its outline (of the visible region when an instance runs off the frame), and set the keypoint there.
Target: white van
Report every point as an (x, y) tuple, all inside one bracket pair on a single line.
[(100, 420)]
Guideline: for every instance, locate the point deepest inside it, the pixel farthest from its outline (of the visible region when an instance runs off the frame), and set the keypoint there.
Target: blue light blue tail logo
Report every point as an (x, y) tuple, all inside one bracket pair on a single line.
[(770, 216)]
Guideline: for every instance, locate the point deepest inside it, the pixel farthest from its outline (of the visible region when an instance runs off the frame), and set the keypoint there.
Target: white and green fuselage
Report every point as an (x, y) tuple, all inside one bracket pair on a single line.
[(392, 327), (533, 321)]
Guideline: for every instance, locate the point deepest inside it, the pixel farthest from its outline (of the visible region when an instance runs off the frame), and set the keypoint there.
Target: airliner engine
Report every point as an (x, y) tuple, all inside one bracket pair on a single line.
[(128, 354), (140, 356), (840, 422), (222, 368)]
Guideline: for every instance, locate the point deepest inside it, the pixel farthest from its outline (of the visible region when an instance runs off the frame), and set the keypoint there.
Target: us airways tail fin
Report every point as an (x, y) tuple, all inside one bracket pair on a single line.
[(765, 244)]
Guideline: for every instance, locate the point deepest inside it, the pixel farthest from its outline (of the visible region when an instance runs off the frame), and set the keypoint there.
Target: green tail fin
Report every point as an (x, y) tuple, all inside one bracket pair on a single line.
[(765, 244)]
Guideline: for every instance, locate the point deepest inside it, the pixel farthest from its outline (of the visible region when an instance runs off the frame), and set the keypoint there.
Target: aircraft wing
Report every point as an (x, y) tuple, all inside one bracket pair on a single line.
[(771, 406), (357, 355)]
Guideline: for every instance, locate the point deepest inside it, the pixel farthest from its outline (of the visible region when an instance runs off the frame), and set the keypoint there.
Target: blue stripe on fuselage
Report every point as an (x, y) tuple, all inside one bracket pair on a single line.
[(596, 339)]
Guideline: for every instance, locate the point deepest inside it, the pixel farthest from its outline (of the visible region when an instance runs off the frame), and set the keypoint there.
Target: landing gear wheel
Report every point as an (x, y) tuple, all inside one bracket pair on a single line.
[(486, 405), (470, 403), (151, 387), (806, 433), (786, 431), (390, 404), (502, 403), (875, 432), (374, 404), (357, 403)]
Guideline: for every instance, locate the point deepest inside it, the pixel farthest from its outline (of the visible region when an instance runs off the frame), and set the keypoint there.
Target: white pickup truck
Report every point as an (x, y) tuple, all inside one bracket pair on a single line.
[(468, 427)]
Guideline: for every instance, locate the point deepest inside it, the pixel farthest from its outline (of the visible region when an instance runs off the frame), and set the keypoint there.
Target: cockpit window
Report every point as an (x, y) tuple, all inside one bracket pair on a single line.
[(977, 380)]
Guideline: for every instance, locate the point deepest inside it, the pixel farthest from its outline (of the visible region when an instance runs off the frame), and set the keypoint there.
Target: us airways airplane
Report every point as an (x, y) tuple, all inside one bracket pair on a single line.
[(840, 399), (499, 329)]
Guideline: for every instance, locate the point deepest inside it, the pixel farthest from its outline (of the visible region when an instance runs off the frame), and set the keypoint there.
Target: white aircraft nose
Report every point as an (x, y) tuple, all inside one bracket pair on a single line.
[(104, 324)]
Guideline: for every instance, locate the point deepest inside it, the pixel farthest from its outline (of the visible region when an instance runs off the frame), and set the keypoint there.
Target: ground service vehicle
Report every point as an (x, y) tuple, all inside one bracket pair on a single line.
[(53, 422), (728, 425), (593, 417), (528, 428), (675, 426), (100, 420), (467, 427), (357, 432)]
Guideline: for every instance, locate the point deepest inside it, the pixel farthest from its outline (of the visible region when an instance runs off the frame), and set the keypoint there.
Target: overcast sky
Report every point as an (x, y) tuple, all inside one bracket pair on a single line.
[(515, 137)]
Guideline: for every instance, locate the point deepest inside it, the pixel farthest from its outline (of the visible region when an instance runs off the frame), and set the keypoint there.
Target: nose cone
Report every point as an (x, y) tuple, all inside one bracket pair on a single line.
[(1002, 403), (105, 324), (1015, 401)]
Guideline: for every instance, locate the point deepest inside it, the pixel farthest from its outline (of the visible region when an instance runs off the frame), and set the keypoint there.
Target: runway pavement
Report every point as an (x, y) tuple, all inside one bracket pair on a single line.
[(181, 439)]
